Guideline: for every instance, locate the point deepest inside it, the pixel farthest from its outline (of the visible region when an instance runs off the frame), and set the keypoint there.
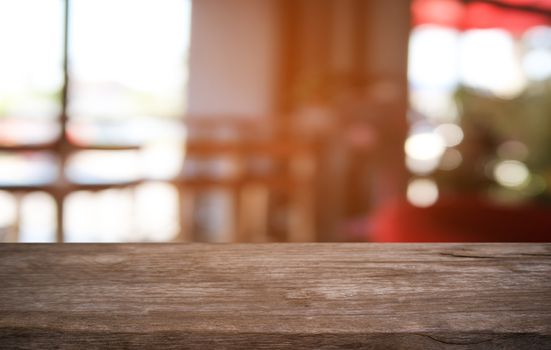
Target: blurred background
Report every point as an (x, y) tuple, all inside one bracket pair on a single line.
[(275, 120)]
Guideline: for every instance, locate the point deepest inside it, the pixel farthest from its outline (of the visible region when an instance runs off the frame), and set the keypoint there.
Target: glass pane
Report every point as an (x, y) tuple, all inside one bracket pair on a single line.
[(8, 217), (148, 213), (103, 167), (27, 169), (27, 131), (31, 66), (38, 218), (128, 58)]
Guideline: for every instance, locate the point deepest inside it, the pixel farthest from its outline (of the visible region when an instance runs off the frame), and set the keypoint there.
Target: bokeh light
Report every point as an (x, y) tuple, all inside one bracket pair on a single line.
[(421, 166), (422, 192), (511, 173), (425, 146), (451, 159), (452, 134), (513, 149)]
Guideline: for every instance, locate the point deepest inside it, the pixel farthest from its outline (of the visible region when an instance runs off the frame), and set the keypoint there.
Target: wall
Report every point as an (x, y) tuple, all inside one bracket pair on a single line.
[(233, 57)]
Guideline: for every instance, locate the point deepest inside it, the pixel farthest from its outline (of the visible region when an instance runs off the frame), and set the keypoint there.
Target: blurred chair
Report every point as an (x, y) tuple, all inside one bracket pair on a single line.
[(53, 179), (245, 159)]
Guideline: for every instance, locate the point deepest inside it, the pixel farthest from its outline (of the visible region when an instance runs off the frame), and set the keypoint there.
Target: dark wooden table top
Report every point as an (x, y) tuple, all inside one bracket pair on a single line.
[(176, 296)]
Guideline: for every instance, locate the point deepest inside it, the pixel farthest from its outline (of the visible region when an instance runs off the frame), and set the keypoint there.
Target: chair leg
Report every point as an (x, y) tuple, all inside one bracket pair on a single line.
[(253, 214), (302, 221), (186, 201), (59, 199), (16, 231)]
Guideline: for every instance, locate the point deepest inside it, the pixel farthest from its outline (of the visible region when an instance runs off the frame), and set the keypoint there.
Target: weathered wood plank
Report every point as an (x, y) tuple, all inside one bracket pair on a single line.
[(415, 296)]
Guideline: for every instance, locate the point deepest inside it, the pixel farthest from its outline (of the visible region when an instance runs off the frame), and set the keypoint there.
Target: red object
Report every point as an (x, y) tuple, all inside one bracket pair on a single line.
[(515, 16), (460, 220)]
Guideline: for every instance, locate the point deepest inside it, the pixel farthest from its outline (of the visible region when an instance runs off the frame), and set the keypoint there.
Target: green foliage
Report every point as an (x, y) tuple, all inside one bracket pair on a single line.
[(488, 121)]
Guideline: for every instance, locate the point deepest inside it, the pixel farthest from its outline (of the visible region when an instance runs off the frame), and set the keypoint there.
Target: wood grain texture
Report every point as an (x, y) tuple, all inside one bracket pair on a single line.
[(361, 296)]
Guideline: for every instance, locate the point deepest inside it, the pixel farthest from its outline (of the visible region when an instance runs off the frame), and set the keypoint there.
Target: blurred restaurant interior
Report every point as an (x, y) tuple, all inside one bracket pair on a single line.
[(275, 120)]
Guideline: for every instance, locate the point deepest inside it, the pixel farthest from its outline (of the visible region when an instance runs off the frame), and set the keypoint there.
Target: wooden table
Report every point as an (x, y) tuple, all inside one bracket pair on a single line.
[(177, 296)]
